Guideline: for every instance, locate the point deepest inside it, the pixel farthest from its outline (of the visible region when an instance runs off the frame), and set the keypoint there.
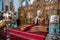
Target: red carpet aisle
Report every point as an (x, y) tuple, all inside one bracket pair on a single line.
[(17, 34)]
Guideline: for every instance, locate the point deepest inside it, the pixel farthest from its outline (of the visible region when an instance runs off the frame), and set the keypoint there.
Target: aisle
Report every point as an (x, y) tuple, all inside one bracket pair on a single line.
[(18, 34)]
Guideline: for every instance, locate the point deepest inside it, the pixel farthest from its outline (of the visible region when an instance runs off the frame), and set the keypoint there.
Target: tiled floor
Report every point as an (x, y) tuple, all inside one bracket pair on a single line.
[(49, 37)]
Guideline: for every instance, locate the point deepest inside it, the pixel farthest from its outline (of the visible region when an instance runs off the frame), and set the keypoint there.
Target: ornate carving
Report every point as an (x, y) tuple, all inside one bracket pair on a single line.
[(31, 10)]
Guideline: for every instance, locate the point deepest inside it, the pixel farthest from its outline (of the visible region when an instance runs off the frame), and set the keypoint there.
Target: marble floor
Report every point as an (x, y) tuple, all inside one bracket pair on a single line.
[(49, 37)]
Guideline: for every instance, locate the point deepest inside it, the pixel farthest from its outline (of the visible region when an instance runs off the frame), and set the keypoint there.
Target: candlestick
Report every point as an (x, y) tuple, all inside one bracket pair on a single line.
[(7, 28), (8, 21)]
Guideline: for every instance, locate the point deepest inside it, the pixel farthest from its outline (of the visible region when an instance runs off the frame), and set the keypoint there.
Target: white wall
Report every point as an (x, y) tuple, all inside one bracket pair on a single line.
[(0, 5), (16, 4)]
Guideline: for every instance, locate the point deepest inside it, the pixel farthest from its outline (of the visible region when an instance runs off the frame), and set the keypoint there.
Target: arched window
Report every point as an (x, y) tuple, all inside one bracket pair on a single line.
[(25, 3)]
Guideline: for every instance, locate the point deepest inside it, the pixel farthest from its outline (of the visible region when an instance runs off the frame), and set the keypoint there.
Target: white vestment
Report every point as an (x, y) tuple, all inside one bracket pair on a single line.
[(36, 19)]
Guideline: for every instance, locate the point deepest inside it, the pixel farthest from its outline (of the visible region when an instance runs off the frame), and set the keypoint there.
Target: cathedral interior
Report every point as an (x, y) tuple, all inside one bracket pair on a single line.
[(29, 20)]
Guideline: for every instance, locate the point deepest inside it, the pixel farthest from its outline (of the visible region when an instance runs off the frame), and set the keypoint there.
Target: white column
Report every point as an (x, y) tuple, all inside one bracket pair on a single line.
[(6, 2)]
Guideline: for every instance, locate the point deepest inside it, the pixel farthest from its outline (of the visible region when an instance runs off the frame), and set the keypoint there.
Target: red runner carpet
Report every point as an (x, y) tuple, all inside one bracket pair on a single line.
[(17, 34)]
